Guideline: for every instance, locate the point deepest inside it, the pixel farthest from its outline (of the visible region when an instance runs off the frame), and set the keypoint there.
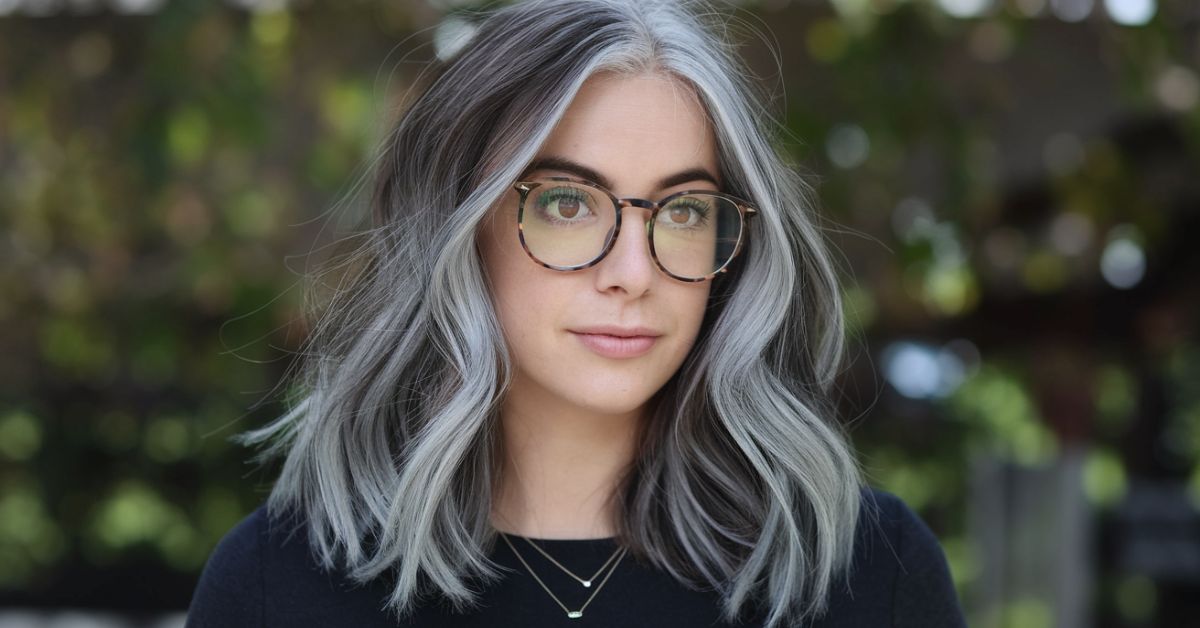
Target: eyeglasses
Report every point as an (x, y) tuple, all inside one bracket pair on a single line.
[(569, 224)]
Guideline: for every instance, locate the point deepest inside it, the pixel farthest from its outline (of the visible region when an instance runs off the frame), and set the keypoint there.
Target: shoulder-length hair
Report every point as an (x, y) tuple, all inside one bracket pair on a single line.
[(745, 482)]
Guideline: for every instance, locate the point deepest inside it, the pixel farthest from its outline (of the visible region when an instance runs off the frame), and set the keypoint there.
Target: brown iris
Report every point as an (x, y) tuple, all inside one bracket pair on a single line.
[(680, 215), (568, 207)]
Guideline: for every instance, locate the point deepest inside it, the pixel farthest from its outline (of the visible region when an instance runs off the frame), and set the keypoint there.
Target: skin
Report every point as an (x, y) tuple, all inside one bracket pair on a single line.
[(571, 419)]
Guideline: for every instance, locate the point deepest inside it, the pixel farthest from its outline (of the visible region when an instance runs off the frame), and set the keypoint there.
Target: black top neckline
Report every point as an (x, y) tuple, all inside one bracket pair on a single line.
[(564, 543)]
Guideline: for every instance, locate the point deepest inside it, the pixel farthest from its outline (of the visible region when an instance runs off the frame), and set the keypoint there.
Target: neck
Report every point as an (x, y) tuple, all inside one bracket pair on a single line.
[(562, 465)]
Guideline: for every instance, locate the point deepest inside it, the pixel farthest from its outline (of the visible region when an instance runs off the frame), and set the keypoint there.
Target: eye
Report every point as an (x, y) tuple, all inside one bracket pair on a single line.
[(685, 212), (564, 205)]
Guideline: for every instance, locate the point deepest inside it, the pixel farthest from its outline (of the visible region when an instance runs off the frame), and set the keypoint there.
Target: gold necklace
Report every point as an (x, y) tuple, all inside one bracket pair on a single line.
[(618, 555)]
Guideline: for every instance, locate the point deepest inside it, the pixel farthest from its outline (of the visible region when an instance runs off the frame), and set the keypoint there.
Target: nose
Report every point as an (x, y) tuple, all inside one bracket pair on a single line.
[(628, 267)]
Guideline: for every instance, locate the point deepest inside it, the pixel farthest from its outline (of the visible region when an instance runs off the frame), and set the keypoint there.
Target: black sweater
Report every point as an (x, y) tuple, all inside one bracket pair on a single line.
[(259, 576)]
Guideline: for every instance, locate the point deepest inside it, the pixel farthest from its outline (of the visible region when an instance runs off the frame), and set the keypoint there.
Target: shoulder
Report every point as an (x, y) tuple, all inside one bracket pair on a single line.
[(899, 576), (885, 517), (265, 573), (230, 591)]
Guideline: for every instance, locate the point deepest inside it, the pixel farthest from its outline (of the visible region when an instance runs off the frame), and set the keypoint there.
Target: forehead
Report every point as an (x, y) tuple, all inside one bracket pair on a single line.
[(635, 129)]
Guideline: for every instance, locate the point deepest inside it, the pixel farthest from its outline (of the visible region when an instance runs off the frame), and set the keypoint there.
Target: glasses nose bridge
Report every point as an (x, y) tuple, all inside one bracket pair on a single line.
[(640, 203), (648, 207)]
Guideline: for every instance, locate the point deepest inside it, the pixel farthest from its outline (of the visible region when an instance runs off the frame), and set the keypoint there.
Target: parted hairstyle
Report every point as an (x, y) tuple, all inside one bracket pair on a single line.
[(744, 482)]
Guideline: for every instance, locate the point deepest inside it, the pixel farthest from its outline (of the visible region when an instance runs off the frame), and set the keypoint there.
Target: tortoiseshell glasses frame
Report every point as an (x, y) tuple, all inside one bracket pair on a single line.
[(744, 209)]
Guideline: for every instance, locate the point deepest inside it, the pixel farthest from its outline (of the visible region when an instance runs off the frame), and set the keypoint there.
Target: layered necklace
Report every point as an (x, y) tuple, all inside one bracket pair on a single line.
[(609, 565)]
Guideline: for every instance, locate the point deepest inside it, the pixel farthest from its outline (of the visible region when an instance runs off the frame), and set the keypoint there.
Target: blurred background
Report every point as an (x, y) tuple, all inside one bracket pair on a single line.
[(1014, 184)]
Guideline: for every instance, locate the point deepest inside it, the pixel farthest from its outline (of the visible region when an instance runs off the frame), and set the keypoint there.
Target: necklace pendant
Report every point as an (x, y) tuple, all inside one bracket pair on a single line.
[(574, 614), (587, 584)]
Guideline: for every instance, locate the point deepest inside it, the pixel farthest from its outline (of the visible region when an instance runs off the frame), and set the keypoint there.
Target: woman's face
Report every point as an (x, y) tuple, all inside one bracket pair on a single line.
[(564, 329)]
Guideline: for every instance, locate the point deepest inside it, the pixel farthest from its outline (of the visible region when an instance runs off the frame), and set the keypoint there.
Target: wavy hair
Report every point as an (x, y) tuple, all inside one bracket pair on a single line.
[(745, 482)]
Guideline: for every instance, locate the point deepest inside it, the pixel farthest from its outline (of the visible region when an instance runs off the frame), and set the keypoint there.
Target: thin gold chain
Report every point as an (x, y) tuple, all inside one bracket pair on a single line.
[(585, 583), (620, 554)]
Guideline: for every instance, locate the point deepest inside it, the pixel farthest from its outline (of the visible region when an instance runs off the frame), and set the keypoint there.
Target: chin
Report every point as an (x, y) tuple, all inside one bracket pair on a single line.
[(608, 407), (602, 389), (612, 400)]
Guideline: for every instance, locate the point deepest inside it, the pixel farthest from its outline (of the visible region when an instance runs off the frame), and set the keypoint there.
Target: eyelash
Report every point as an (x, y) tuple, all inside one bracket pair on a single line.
[(558, 194)]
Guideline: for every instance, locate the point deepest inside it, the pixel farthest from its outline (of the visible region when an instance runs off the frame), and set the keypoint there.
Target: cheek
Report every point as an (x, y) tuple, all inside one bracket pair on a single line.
[(505, 267), (526, 312), (691, 308), (527, 302)]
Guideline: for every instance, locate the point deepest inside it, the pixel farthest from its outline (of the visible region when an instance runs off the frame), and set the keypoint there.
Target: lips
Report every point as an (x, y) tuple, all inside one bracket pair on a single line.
[(617, 342)]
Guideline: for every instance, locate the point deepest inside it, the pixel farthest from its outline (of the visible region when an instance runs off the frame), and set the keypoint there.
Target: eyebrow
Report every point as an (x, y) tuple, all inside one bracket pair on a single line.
[(584, 172)]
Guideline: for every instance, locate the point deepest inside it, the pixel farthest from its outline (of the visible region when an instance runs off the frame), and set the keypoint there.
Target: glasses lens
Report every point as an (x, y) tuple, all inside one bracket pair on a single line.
[(566, 224), (696, 235)]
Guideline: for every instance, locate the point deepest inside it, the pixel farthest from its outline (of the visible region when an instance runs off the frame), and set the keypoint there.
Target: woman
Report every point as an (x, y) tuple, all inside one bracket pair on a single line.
[(583, 375)]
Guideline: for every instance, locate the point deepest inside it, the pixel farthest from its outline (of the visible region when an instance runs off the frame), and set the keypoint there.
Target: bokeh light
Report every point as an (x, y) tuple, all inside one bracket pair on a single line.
[(847, 146), (1131, 12), (451, 35), (912, 219), (1178, 88), (1071, 233), (920, 371), (1136, 598), (1123, 262), (137, 7), (1104, 478), (1072, 10), (965, 8), (1031, 8)]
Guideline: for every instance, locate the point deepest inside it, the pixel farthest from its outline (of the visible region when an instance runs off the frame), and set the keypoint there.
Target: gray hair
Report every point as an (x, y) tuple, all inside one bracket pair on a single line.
[(745, 482)]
